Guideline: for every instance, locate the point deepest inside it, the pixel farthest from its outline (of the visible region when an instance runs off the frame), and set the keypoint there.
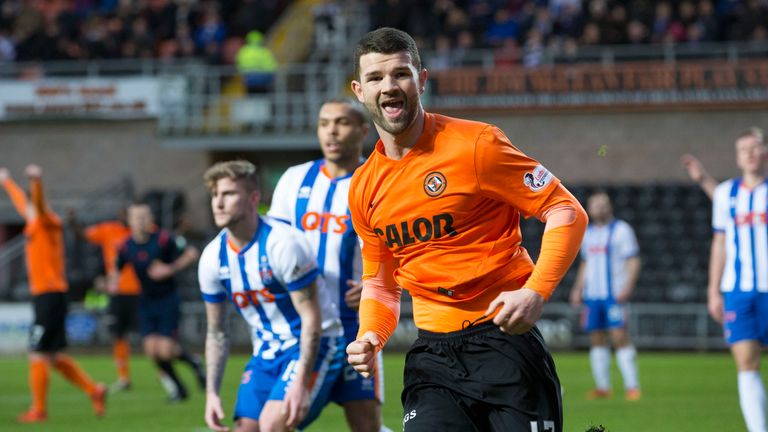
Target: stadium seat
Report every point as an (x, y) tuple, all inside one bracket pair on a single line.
[(672, 224)]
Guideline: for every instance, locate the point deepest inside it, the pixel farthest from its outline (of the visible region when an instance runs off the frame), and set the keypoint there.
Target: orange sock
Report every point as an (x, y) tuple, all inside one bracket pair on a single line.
[(121, 351), (38, 384), (67, 366)]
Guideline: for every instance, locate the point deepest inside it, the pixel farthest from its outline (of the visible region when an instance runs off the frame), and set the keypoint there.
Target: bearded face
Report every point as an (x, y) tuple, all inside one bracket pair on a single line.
[(390, 88)]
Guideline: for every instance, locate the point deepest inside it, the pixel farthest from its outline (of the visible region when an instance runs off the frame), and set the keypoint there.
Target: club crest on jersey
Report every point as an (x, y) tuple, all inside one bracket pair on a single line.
[(265, 272), (538, 179), (305, 191), (224, 272), (435, 184)]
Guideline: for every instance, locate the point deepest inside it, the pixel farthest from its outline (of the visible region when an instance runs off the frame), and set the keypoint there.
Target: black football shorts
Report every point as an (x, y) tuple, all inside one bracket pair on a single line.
[(48, 333), (481, 379), (123, 314)]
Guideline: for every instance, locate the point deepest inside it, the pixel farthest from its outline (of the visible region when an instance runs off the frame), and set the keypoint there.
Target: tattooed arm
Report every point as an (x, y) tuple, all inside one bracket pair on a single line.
[(297, 397), (216, 353)]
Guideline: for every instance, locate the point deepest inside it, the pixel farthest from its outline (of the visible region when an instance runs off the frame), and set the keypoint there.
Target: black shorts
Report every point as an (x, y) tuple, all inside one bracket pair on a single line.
[(123, 313), (160, 315), (48, 333), (481, 379)]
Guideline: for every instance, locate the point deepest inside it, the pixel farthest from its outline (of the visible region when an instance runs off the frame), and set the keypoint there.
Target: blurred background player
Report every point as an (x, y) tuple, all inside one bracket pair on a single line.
[(267, 269), (604, 283), (698, 174), (110, 235), (48, 285), (738, 271), (156, 258), (313, 197)]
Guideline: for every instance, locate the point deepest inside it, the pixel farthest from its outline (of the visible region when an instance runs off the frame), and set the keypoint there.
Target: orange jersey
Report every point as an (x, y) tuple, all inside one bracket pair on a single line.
[(449, 212), (45, 242), (110, 236)]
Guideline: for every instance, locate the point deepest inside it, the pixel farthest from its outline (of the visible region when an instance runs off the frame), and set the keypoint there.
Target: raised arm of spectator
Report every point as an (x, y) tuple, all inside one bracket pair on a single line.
[(698, 174), (15, 193), (36, 196)]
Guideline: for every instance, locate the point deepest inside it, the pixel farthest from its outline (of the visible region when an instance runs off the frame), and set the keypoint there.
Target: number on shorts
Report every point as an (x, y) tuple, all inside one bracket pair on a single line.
[(549, 426)]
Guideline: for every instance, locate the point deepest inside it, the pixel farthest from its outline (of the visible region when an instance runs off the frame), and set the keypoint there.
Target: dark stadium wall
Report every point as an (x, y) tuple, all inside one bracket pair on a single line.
[(79, 157), (585, 146), (612, 146)]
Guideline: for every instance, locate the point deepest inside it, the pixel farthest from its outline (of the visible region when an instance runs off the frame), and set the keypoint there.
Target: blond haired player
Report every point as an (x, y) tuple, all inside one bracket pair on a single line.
[(738, 274)]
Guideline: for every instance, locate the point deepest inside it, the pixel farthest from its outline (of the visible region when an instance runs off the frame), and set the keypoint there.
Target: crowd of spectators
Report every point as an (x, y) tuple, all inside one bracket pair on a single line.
[(49, 30), (520, 31)]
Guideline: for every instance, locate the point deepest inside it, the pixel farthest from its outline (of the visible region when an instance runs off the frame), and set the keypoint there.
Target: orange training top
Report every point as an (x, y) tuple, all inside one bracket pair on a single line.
[(45, 240), (110, 236), (449, 212)]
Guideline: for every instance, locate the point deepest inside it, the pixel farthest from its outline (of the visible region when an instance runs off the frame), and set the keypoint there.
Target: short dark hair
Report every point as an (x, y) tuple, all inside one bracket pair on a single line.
[(235, 170), (386, 40), (142, 202), (599, 191), (754, 131), (356, 107), (139, 202)]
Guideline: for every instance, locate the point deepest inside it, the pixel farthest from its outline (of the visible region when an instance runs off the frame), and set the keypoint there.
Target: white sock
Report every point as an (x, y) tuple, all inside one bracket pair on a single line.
[(626, 357), (752, 399), (168, 385), (600, 359)]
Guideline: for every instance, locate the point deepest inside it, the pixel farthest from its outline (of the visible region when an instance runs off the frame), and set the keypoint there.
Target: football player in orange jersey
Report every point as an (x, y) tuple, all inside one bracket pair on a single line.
[(48, 285), (110, 235), (437, 207)]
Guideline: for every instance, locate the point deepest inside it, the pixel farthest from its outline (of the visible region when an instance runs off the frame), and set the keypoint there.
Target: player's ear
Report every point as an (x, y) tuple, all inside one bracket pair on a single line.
[(357, 89), (255, 198), (423, 81)]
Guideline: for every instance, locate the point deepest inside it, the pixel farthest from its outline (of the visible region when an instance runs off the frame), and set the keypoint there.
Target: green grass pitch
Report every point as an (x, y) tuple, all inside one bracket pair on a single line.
[(681, 392)]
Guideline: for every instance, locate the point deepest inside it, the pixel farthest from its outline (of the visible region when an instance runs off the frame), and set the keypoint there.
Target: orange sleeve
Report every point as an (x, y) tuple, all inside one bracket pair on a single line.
[(36, 196), (38, 200), (506, 174), (17, 195), (566, 222), (380, 300), (95, 234), (372, 248)]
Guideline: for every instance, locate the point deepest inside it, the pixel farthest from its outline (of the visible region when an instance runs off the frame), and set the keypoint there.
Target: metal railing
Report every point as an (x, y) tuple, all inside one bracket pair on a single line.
[(610, 54), (218, 101), (218, 111)]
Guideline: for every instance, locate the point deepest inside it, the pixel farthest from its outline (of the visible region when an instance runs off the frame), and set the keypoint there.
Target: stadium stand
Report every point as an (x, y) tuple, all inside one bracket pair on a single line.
[(672, 223), (521, 31), (111, 29), (561, 26)]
